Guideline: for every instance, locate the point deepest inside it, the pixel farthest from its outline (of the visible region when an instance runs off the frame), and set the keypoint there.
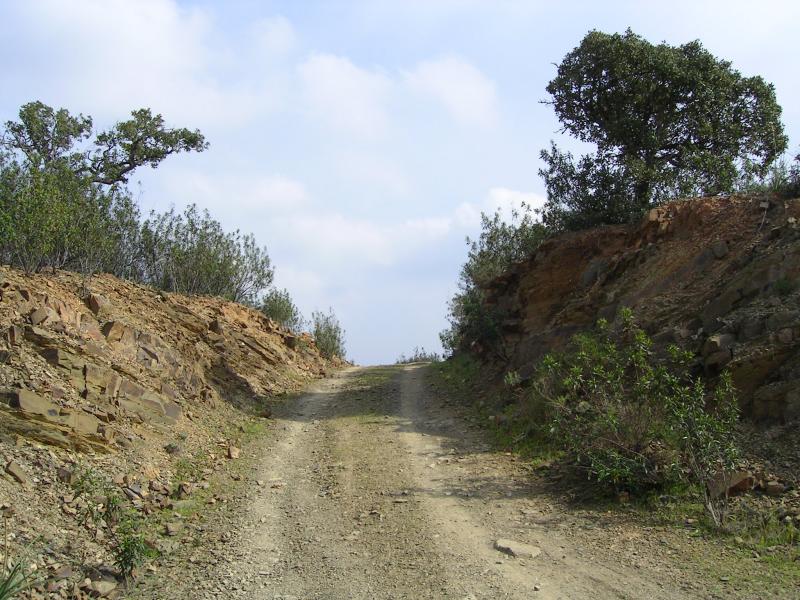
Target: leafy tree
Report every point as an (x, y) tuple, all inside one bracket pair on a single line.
[(46, 136), (328, 334), (666, 121), (278, 306), (499, 245), (62, 198)]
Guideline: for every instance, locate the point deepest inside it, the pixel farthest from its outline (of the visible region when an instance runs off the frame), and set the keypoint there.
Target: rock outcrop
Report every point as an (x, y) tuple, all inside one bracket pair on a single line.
[(79, 370), (716, 275)]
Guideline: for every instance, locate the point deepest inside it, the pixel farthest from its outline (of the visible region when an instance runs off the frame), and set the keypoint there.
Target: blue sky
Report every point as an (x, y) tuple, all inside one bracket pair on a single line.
[(359, 141)]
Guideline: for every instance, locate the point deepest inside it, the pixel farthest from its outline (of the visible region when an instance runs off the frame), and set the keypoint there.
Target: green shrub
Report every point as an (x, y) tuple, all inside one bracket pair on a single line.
[(129, 547), (499, 245), (782, 179), (633, 420), (278, 306), (419, 355), (64, 204), (190, 253), (328, 334)]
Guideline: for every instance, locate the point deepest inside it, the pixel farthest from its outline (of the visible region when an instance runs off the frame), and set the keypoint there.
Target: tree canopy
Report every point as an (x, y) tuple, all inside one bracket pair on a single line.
[(47, 137), (666, 121)]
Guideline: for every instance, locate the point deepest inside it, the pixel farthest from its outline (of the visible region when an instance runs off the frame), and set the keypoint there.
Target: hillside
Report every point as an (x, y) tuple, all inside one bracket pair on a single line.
[(716, 275), (123, 386)]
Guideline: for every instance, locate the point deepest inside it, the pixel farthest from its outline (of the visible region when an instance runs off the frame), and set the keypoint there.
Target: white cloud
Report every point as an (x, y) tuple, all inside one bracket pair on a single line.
[(466, 93), (115, 55), (254, 196), (468, 214), (346, 97), (273, 36), (339, 242), (372, 171)]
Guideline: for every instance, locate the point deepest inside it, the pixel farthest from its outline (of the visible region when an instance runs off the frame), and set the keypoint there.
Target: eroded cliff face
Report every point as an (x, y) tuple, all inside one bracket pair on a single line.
[(79, 369), (716, 275)]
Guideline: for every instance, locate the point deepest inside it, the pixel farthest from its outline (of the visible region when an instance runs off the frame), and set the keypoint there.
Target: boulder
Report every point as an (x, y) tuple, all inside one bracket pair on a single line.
[(98, 304), (32, 403), (119, 333), (42, 315), (717, 343), (15, 335), (70, 362), (101, 382), (774, 488), (719, 249), (732, 483), (82, 422)]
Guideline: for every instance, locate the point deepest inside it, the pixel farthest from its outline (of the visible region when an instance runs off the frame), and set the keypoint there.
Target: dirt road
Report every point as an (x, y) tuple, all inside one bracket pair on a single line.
[(372, 487)]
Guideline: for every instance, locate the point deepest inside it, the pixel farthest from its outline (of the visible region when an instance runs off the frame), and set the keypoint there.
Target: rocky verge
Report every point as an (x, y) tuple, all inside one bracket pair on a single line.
[(145, 391), (716, 275)]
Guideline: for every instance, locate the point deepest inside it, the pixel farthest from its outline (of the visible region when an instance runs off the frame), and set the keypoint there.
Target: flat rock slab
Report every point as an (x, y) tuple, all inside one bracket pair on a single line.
[(517, 549)]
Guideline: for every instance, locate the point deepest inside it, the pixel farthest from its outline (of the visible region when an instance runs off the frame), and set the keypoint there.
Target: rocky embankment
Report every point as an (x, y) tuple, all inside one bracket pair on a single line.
[(137, 388), (718, 276)]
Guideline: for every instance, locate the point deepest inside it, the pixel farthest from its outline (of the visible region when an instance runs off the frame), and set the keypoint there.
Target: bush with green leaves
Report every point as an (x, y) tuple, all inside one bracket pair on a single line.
[(500, 244), (782, 179), (129, 547), (419, 355), (634, 419), (102, 502), (279, 306), (64, 204), (190, 253), (62, 187), (14, 582), (328, 334)]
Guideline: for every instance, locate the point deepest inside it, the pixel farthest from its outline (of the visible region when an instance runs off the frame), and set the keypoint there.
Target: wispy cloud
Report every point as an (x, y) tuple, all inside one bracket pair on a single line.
[(463, 90)]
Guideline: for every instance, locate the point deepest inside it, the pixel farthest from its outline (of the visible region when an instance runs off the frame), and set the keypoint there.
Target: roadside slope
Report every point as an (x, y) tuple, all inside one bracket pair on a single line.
[(718, 276), (128, 391)]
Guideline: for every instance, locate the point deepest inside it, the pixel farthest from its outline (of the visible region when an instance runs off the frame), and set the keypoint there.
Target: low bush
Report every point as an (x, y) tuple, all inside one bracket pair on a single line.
[(500, 244), (279, 306), (420, 355), (328, 334), (129, 547), (632, 419)]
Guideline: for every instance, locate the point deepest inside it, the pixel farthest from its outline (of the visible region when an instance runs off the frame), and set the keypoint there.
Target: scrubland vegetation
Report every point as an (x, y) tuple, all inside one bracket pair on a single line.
[(634, 421), (65, 204)]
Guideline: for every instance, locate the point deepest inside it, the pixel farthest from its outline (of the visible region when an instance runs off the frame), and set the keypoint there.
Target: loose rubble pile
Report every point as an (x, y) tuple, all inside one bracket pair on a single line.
[(133, 390)]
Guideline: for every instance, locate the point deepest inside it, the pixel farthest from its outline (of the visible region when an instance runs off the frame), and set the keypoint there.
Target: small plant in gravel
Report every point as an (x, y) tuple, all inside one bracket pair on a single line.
[(130, 549), (14, 579), (328, 334), (14, 582)]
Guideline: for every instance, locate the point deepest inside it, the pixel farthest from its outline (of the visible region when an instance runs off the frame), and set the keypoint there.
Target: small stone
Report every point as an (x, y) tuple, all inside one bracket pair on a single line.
[(66, 475), (719, 249), (775, 488), (102, 588), (234, 452), (17, 473), (173, 529), (517, 549)]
